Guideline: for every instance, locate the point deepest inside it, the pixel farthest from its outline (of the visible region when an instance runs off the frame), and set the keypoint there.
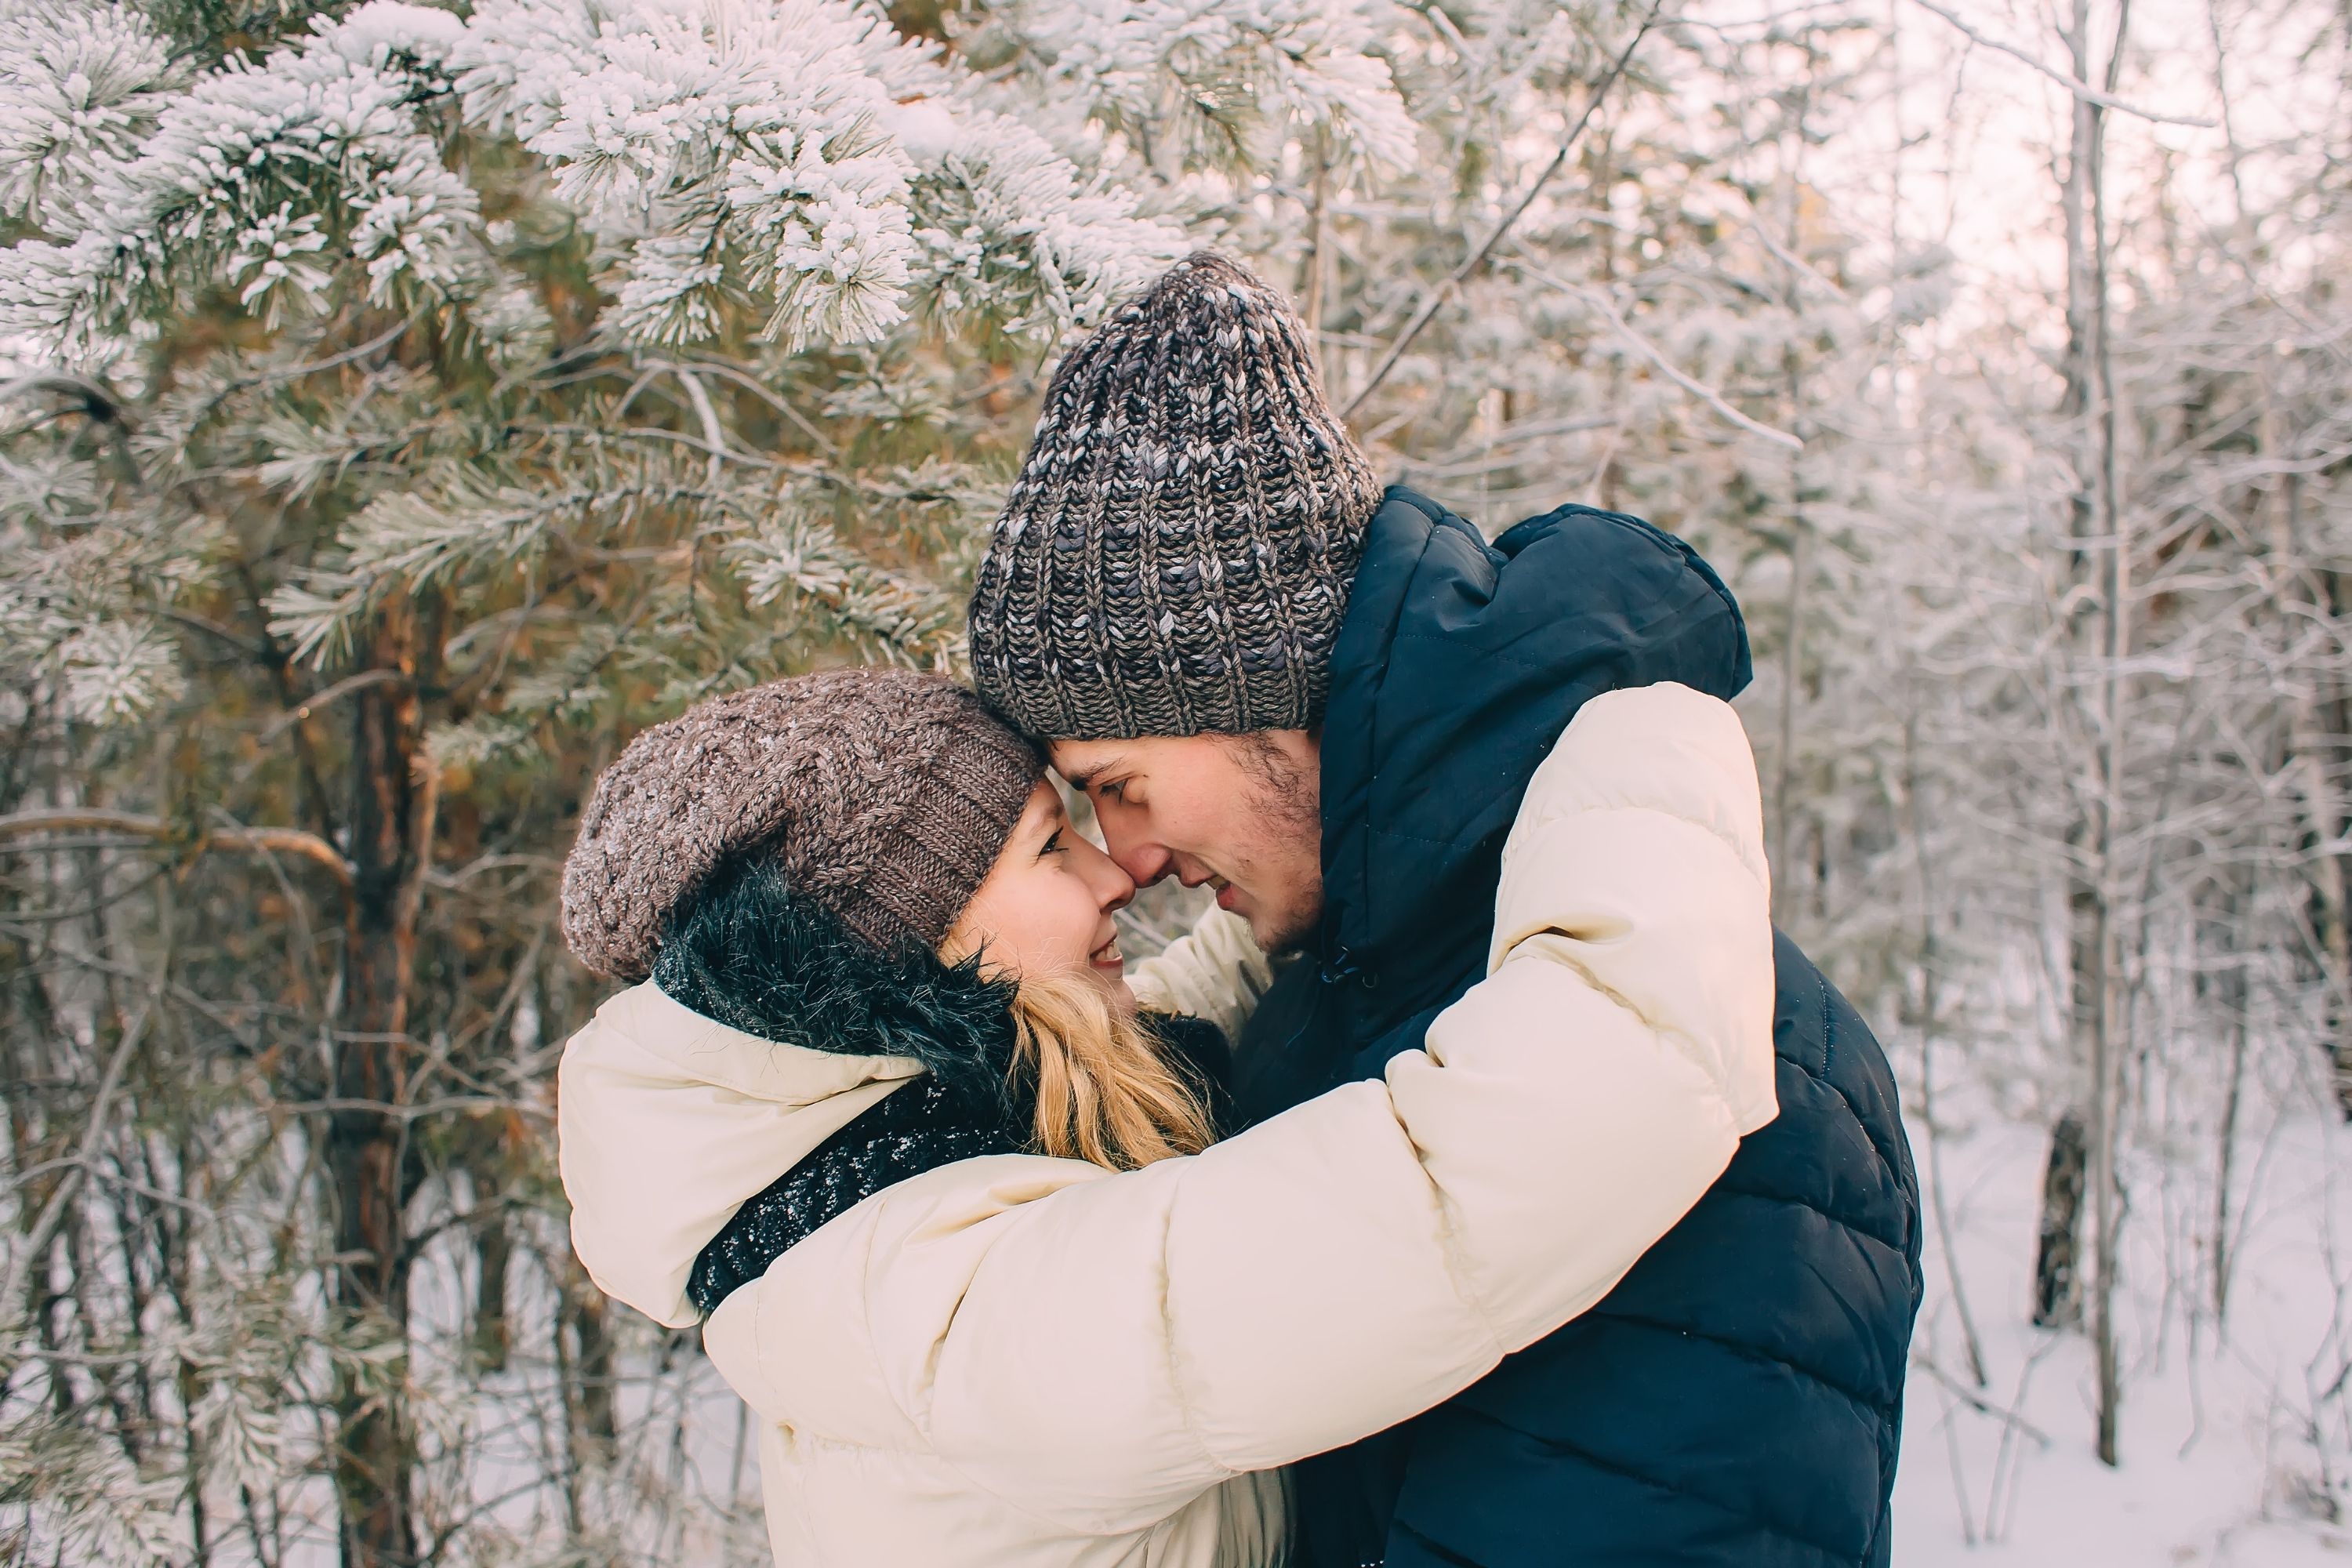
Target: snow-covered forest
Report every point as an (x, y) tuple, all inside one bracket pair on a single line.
[(404, 405)]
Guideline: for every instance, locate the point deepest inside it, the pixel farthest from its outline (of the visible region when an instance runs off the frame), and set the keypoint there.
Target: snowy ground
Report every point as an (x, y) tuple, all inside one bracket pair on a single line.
[(2231, 1450)]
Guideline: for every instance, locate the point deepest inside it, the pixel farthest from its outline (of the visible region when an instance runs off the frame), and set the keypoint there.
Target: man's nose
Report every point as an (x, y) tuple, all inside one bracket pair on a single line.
[(1138, 856)]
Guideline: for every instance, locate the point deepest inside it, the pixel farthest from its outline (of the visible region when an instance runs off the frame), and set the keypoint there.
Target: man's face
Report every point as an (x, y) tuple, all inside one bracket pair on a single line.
[(1240, 813)]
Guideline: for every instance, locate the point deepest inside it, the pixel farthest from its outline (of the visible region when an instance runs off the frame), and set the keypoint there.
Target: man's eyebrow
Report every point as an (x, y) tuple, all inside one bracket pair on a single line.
[(1084, 780)]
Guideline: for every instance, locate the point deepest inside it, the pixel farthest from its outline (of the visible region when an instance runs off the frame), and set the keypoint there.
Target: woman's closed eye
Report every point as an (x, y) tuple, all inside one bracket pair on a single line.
[(1052, 845)]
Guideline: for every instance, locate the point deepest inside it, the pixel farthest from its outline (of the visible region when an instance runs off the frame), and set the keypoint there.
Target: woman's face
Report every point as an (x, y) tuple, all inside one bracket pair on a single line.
[(1047, 902)]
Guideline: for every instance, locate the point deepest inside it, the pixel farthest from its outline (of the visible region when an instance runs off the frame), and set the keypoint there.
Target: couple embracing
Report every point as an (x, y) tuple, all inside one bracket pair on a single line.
[(1483, 1182)]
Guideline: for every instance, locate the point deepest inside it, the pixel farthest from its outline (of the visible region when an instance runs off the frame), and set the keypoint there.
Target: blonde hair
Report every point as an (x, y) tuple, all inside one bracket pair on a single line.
[(1106, 1092)]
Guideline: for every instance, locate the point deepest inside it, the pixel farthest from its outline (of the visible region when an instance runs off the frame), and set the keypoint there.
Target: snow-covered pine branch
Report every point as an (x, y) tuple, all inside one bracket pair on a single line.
[(80, 88), (1010, 229), (249, 178), (76, 606), (797, 563), (794, 154), (742, 144), (804, 154), (1222, 84)]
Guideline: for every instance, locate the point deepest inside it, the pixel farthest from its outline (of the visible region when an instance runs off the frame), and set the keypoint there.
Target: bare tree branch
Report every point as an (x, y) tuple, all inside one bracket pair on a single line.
[(45, 1228), (244, 840), (1656, 356), (2081, 90), (1477, 257)]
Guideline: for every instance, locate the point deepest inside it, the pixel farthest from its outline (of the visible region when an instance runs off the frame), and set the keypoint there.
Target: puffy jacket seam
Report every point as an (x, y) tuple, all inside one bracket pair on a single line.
[(1058, 1526), (1882, 1412), (1379, 832), (1685, 1046), (1167, 1352), (1732, 1189), (1457, 1276), (1377, 670), (1403, 495), (762, 1361), (1587, 806), (921, 1426), (1504, 655), (1828, 1053), (1878, 1146), (1608, 1466), (1439, 1550), (1457, 1272), (1644, 614)]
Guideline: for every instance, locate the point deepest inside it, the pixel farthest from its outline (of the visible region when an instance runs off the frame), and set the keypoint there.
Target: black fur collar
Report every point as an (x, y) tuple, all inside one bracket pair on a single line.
[(755, 956)]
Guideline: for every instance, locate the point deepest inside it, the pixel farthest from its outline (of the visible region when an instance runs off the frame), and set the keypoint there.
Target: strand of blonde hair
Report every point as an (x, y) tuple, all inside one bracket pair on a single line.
[(1104, 1092)]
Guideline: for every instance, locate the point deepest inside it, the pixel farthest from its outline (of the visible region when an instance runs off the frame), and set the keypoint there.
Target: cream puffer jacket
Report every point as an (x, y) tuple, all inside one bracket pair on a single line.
[(1026, 1363)]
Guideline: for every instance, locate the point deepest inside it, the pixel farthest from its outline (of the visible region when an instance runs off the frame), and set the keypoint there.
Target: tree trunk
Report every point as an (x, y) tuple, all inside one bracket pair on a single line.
[(493, 1247), (1318, 268), (2057, 1293), (2229, 992), (2102, 558), (390, 826), (2313, 753), (592, 1373)]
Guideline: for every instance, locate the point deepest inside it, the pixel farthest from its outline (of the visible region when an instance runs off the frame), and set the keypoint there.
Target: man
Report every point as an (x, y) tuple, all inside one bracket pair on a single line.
[(1327, 701)]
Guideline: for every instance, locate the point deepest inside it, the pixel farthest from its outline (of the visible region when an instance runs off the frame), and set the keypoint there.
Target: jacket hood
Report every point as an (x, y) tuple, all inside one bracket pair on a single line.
[(667, 1121), (1459, 665), (766, 1028)]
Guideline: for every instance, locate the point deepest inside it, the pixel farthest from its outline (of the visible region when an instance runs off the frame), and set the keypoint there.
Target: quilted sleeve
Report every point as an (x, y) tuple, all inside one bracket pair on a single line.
[(1214, 971)]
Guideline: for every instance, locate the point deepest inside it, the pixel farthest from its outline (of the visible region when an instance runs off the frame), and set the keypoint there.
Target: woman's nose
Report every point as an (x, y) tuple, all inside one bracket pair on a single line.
[(1113, 887)]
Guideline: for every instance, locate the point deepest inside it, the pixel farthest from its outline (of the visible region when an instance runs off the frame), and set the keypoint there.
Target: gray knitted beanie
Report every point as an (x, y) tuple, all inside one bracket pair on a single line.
[(882, 794), (1176, 554)]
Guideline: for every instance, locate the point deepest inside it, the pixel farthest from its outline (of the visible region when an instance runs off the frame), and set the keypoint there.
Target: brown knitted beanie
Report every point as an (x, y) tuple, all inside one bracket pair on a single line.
[(1176, 554), (882, 794)]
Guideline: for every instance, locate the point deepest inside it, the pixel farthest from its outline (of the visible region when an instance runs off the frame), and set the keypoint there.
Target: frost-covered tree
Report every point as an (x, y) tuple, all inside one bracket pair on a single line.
[(408, 405), (410, 408), (415, 403), (404, 404)]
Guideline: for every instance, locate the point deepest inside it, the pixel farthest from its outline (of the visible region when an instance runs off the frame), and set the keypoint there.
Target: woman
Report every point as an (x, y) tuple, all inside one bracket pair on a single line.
[(880, 1112)]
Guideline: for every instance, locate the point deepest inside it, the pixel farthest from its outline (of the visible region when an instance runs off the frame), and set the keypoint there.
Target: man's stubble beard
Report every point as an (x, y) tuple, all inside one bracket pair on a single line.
[(1288, 801)]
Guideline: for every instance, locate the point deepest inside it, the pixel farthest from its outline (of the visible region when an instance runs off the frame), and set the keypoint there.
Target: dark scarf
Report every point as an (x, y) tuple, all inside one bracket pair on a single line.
[(911, 1130), (752, 955)]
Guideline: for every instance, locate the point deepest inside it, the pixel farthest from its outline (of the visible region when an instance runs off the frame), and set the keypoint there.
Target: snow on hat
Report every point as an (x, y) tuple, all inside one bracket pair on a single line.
[(1176, 554)]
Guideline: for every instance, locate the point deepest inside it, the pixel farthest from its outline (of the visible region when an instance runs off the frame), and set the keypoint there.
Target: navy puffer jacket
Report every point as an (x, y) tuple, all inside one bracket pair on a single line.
[(1738, 1398)]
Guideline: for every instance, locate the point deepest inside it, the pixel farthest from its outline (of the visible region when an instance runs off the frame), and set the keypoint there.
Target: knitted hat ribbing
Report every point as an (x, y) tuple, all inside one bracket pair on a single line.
[(882, 794), (1176, 554)]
